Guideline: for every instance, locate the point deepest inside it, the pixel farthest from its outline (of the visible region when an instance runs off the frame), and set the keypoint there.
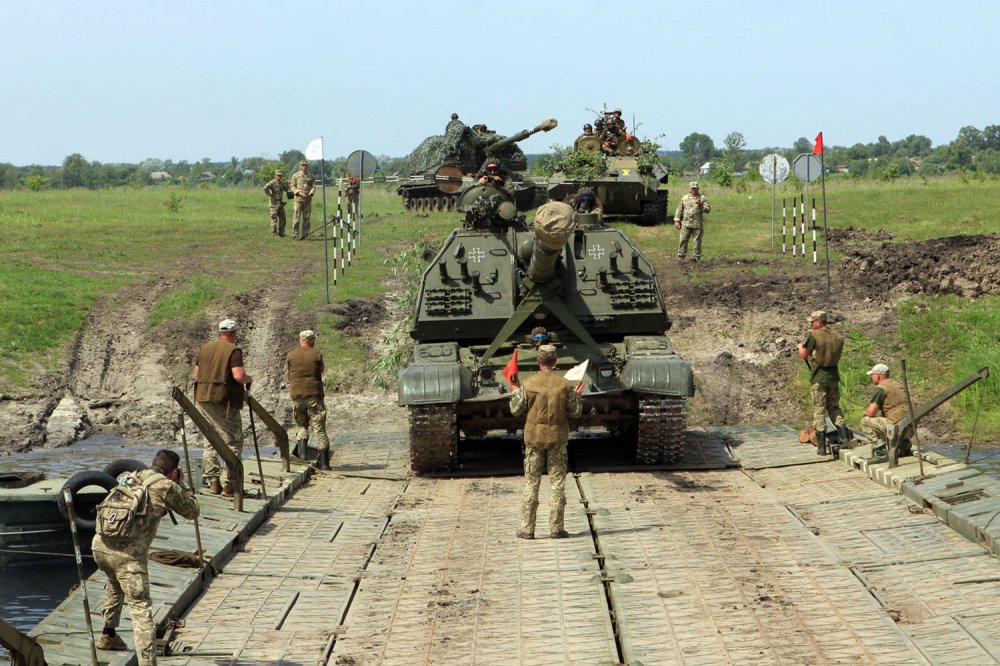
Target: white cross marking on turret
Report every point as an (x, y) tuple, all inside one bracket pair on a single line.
[(595, 251), (476, 255)]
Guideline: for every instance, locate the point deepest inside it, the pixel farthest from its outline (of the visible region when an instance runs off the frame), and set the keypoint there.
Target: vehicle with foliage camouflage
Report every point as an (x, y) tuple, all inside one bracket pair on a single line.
[(499, 288), (626, 178), (436, 169)]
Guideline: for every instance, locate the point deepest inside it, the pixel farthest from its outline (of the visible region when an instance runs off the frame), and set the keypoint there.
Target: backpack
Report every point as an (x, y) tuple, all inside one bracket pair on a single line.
[(124, 512)]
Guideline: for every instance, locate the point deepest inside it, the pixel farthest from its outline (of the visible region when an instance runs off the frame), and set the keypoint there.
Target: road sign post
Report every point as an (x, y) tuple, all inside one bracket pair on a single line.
[(774, 170)]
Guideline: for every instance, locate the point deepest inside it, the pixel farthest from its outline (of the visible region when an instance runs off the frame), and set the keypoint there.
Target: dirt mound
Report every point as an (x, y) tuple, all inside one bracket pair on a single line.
[(358, 313)]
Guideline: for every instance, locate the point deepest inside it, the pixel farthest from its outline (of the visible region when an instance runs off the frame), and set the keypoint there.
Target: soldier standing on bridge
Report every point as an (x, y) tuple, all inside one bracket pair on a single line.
[(889, 400), (126, 562), (824, 346), (304, 187), (304, 372), (275, 191), (549, 401)]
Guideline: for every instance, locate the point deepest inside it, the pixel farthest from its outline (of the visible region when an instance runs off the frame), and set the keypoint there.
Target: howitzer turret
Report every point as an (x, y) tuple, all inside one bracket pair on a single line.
[(500, 143), (495, 283)]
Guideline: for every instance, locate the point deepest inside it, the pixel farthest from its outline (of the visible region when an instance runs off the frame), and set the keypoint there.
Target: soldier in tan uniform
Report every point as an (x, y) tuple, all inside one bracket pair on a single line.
[(275, 191), (304, 187), (689, 218), (889, 400), (218, 391), (126, 562), (824, 347), (304, 372), (548, 401)]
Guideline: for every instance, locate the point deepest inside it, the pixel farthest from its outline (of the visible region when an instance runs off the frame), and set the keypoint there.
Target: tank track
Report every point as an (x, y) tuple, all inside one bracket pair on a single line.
[(654, 212), (433, 438), (660, 430)]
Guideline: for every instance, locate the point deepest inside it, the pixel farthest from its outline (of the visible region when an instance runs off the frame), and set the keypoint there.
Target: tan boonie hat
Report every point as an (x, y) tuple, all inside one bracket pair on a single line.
[(278, 172), (554, 224), (228, 325), (879, 369), (818, 315), (303, 163), (694, 184), (546, 353), (307, 334)]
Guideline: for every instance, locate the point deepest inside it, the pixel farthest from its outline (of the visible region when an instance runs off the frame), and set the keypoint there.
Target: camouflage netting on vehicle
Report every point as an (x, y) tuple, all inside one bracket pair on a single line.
[(463, 147)]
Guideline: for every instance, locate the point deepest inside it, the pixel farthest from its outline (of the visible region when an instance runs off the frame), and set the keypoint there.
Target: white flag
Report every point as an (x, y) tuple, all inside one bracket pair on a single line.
[(314, 151), (577, 372)]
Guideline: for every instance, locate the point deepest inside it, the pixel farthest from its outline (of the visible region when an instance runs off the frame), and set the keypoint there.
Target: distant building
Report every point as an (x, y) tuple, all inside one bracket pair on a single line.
[(159, 175), (705, 169), (205, 177)]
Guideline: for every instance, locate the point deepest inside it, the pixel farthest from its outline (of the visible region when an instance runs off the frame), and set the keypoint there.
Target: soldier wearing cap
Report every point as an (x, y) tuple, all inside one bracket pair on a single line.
[(547, 401), (888, 406), (275, 191), (304, 187), (492, 173), (689, 218), (219, 378), (824, 347), (304, 372)]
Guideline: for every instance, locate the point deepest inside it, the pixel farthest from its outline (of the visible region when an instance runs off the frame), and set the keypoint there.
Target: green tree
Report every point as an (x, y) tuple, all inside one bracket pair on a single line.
[(291, 159), (75, 171), (735, 145), (722, 172), (991, 136), (802, 145), (697, 148), (972, 138)]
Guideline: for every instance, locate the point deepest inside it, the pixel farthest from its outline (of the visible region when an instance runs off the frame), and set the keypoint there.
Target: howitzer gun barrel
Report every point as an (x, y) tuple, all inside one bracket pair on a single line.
[(544, 126), (554, 224)]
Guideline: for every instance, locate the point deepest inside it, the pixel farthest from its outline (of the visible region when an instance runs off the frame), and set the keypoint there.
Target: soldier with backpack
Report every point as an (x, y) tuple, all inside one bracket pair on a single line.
[(127, 520)]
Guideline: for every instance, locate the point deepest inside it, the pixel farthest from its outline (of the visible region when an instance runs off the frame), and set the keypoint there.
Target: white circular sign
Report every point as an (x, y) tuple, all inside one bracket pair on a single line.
[(774, 168)]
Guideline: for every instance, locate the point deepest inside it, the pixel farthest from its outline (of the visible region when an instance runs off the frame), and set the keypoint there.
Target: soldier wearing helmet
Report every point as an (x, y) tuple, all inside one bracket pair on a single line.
[(585, 201), (588, 130)]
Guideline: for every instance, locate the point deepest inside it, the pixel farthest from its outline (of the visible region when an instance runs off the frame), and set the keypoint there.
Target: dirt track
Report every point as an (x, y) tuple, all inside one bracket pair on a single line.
[(738, 329)]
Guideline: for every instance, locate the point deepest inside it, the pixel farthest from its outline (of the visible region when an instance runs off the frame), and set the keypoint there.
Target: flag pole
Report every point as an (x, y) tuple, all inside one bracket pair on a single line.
[(326, 257), (826, 232)]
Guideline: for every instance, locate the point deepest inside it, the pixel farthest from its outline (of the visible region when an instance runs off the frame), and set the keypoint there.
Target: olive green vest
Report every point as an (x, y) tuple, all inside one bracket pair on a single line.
[(215, 378), (895, 406), (305, 372), (829, 347), (547, 423)]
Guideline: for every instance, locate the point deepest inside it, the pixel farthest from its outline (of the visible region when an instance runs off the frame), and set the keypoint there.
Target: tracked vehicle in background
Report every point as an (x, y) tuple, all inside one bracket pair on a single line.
[(494, 282), (436, 169)]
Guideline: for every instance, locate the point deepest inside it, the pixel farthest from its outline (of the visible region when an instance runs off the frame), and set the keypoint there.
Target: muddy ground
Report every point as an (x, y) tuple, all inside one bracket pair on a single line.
[(739, 330)]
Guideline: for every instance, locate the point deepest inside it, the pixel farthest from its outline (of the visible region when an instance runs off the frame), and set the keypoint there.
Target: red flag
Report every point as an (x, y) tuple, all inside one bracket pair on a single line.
[(510, 370), (818, 148)]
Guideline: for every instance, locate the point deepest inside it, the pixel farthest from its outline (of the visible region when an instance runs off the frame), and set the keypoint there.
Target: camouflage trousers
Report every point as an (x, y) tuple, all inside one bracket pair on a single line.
[(880, 428), (311, 412), (826, 402), (300, 218), (128, 582), (228, 423), (277, 220), (535, 459), (690, 233)]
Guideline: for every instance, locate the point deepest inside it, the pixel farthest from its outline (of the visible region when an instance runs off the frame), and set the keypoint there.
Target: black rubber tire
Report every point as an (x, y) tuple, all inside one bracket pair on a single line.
[(85, 518), (116, 467)]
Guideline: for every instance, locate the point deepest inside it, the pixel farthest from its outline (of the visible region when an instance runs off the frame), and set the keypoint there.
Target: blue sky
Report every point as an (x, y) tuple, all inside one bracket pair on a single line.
[(123, 81)]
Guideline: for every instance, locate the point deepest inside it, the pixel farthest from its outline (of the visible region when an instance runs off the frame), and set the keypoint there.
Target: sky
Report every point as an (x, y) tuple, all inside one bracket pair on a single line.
[(122, 81)]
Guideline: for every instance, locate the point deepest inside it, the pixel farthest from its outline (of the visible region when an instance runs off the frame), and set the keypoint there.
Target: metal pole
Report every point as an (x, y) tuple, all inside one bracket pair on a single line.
[(68, 496), (357, 213), (802, 220), (815, 259), (909, 404), (826, 233), (253, 433), (784, 227), (795, 227), (326, 261), (190, 476), (774, 193)]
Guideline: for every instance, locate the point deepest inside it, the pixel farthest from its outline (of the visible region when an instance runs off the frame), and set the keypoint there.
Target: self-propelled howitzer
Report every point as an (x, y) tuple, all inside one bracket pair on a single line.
[(498, 285)]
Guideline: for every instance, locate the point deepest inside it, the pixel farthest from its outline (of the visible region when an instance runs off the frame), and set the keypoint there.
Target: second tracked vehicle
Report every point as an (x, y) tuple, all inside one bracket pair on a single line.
[(498, 287)]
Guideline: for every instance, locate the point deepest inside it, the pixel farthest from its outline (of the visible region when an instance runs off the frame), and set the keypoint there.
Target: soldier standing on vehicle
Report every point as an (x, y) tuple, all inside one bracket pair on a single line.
[(824, 347), (303, 187), (125, 562), (218, 391), (689, 219), (492, 173), (548, 401), (889, 405), (275, 191), (304, 372)]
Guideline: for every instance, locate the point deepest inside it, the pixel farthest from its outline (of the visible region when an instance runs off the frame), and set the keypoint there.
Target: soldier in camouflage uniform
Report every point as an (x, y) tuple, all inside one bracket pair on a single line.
[(824, 347), (889, 400), (218, 391), (304, 187), (548, 401), (275, 191), (689, 218), (304, 372), (126, 563)]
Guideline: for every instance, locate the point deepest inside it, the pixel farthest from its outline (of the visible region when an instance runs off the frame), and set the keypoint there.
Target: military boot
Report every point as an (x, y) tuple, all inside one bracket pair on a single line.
[(821, 448), (844, 434), (323, 461), (111, 643), (880, 453), (215, 487), (301, 444)]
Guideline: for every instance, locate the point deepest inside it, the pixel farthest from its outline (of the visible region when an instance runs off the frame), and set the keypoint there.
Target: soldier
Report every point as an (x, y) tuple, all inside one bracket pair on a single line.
[(304, 372), (585, 201), (275, 191), (353, 194), (126, 562), (549, 401), (689, 218), (218, 391), (304, 187), (492, 173), (889, 400), (824, 346), (588, 130)]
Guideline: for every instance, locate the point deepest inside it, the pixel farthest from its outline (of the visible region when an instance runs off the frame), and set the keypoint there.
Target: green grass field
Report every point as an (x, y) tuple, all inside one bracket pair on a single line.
[(63, 250)]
